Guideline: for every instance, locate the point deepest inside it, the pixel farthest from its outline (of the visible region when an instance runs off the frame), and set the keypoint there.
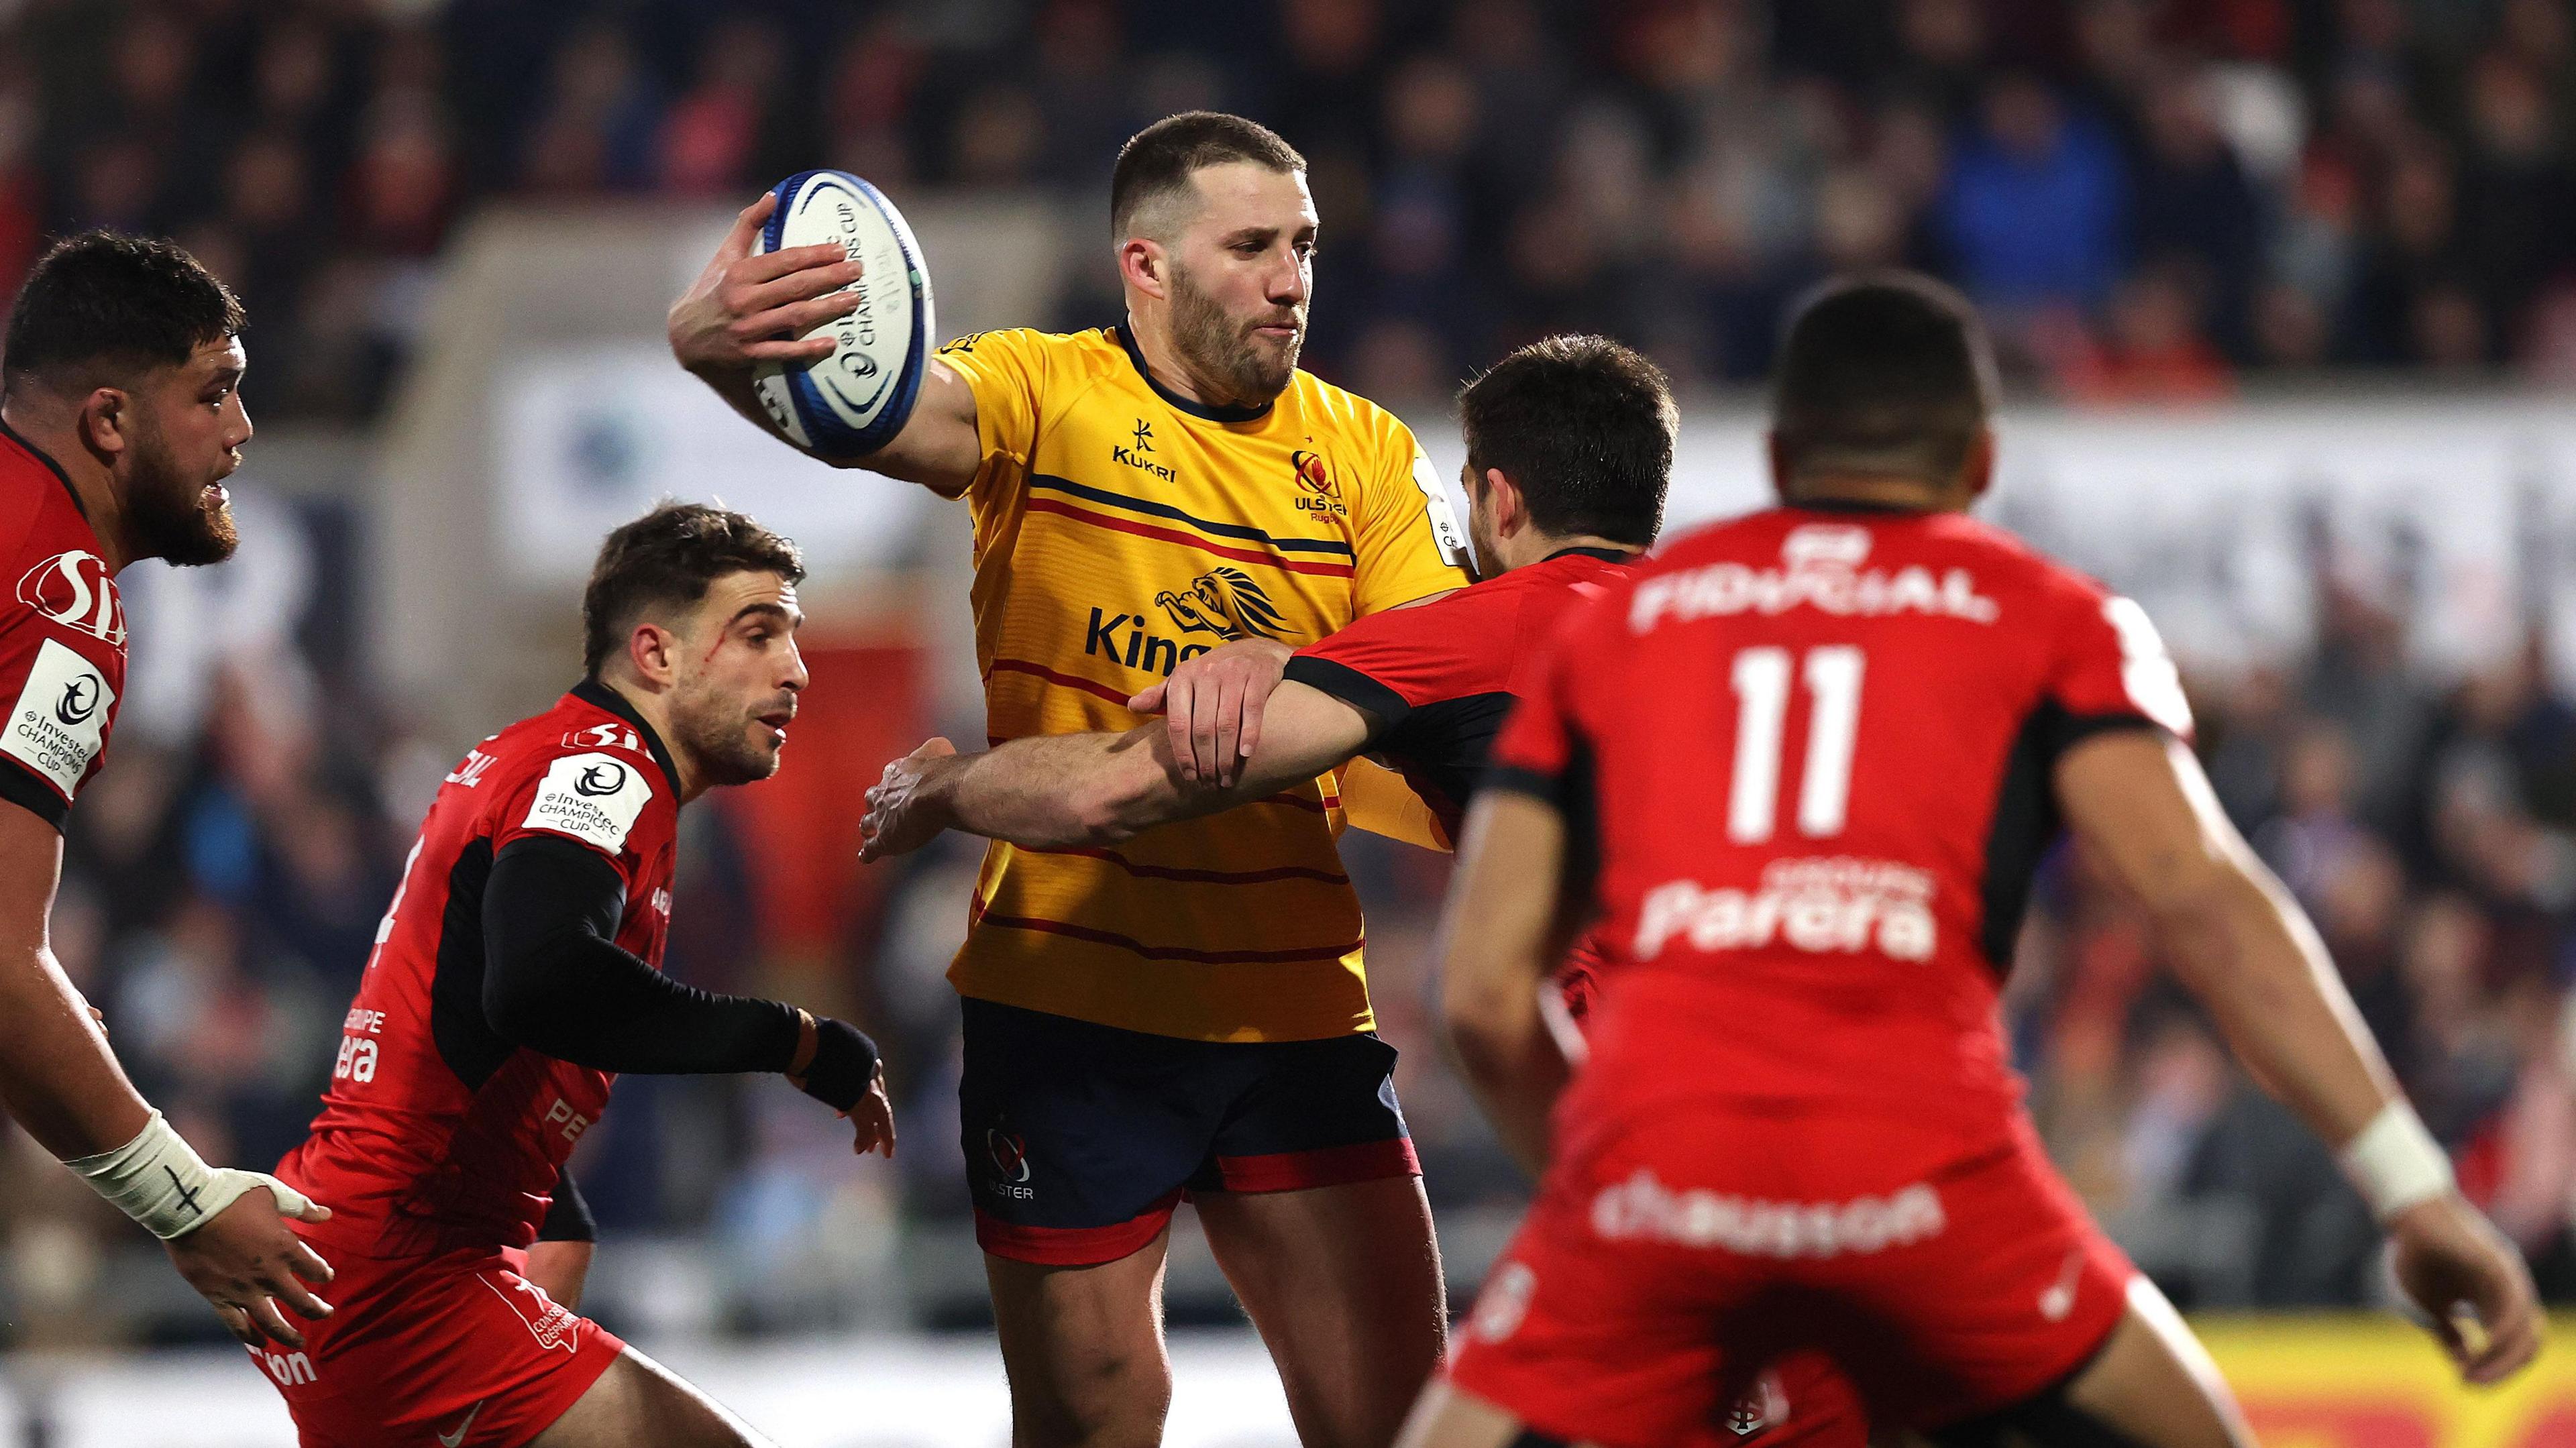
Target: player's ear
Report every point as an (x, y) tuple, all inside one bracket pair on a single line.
[(107, 420), (1780, 472), (655, 653), (1510, 510), (1142, 264), (1977, 470)]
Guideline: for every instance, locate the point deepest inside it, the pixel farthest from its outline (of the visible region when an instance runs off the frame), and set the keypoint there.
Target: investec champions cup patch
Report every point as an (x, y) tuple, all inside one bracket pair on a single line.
[(59, 723), (592, 797)]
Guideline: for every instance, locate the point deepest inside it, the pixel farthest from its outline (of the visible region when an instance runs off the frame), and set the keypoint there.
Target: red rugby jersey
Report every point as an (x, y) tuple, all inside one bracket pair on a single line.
[(1813, 749), (62, 636), (435, 1133), (1441, 677)]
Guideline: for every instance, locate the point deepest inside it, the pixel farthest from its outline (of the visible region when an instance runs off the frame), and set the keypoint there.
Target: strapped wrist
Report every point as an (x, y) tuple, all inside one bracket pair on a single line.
[(2395, 1164), (159, 1181)]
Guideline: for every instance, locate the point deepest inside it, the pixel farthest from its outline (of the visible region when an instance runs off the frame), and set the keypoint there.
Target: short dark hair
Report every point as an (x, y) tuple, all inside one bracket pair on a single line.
[(1885, 372), (1160, 159), (103, 305), (1584, 427), (665, 560)]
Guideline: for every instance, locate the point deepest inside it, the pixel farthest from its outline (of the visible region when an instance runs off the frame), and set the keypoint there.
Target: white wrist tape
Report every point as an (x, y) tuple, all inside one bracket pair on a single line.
[(161, 1182), (2395, 1163)]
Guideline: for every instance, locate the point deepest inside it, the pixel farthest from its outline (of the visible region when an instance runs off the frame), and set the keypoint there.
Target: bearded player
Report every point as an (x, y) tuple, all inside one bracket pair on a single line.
[(1569, 452), (1187, 1013), (121, 418), (517, 969), (1796, 773)]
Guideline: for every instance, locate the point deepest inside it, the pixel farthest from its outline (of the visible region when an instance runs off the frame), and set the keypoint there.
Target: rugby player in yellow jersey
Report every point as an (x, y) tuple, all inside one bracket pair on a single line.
[(1185, 1013)]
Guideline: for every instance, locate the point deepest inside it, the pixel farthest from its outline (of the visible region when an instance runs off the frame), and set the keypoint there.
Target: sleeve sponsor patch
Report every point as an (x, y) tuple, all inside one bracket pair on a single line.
[(1446, 535), (59, 723), (592, 797)]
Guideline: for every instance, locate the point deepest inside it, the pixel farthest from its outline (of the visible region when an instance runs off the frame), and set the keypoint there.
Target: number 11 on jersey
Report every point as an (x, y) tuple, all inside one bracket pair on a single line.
[(1833, 674)]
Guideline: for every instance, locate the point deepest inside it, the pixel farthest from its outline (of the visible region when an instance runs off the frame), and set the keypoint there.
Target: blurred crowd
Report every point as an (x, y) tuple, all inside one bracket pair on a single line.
[(2156, 198)]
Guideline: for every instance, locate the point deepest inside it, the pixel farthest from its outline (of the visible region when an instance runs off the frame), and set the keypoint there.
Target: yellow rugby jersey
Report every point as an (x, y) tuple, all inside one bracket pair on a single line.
[(1120, 529)]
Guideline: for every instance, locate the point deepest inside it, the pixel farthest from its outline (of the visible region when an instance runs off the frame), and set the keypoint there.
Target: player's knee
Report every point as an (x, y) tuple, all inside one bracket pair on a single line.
[(1105, 1398)]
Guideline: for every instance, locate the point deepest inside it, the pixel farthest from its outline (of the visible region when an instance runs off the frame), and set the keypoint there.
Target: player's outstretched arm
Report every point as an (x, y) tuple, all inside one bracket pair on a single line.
[(60, 1081), (556, 982), (1060, 791), (2144, 813), (745, 311), (1512, 912)]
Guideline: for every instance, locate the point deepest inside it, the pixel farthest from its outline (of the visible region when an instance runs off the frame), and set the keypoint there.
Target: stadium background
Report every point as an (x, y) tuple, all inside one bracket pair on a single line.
[(2287, 292)]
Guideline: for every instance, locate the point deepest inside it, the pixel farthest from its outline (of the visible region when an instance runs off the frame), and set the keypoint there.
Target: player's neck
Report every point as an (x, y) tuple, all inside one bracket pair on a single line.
[(1886, 492), (1531, 546), (1170, 370), (40, 428), (653, 707)]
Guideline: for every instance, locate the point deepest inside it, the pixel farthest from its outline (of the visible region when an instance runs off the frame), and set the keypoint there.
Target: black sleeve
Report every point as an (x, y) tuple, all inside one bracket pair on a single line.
[(569, 1219), (20, 786), (1384, 707), (555, 981)]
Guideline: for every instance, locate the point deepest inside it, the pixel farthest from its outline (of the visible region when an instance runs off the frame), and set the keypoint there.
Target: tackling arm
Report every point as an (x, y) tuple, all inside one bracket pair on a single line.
[(1511, 915), (2143, 812), (1064, 790), (746, 311)]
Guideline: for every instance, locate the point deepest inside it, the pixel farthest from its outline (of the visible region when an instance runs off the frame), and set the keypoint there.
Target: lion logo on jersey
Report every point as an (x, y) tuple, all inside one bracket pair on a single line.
[(1224, 602)]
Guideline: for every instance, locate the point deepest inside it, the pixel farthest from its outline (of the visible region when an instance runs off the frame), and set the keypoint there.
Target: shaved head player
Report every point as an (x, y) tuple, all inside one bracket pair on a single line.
[(1186, 1013), (1796, 774), (120, 420)]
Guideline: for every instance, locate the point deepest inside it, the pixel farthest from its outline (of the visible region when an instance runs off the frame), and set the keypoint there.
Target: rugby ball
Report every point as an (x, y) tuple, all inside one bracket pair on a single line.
[(853, 402)]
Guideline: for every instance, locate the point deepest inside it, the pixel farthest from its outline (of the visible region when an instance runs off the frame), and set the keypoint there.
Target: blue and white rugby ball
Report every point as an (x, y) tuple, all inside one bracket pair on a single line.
[(853, 402)]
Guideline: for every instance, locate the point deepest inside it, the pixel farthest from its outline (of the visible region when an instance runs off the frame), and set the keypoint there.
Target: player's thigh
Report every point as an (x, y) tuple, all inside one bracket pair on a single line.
[(1083, 1348), (1344, 1283), (2154, 1385), (638, 1403), (1079, 1138)]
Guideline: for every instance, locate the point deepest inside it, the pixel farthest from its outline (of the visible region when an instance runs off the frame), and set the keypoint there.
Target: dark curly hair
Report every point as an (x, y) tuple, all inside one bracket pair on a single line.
[(1584, 427), (102, 306), (664, 561)]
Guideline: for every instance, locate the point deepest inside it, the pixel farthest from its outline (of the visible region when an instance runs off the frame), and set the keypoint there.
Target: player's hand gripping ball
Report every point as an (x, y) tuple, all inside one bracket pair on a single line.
[(819, 293), (854, 401)]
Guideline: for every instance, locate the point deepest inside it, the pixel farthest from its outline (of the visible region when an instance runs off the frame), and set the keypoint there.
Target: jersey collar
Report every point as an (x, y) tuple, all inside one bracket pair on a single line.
[(1606, 555), (1854, 505), (593, 692), (42, 456), (1194, 409)]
